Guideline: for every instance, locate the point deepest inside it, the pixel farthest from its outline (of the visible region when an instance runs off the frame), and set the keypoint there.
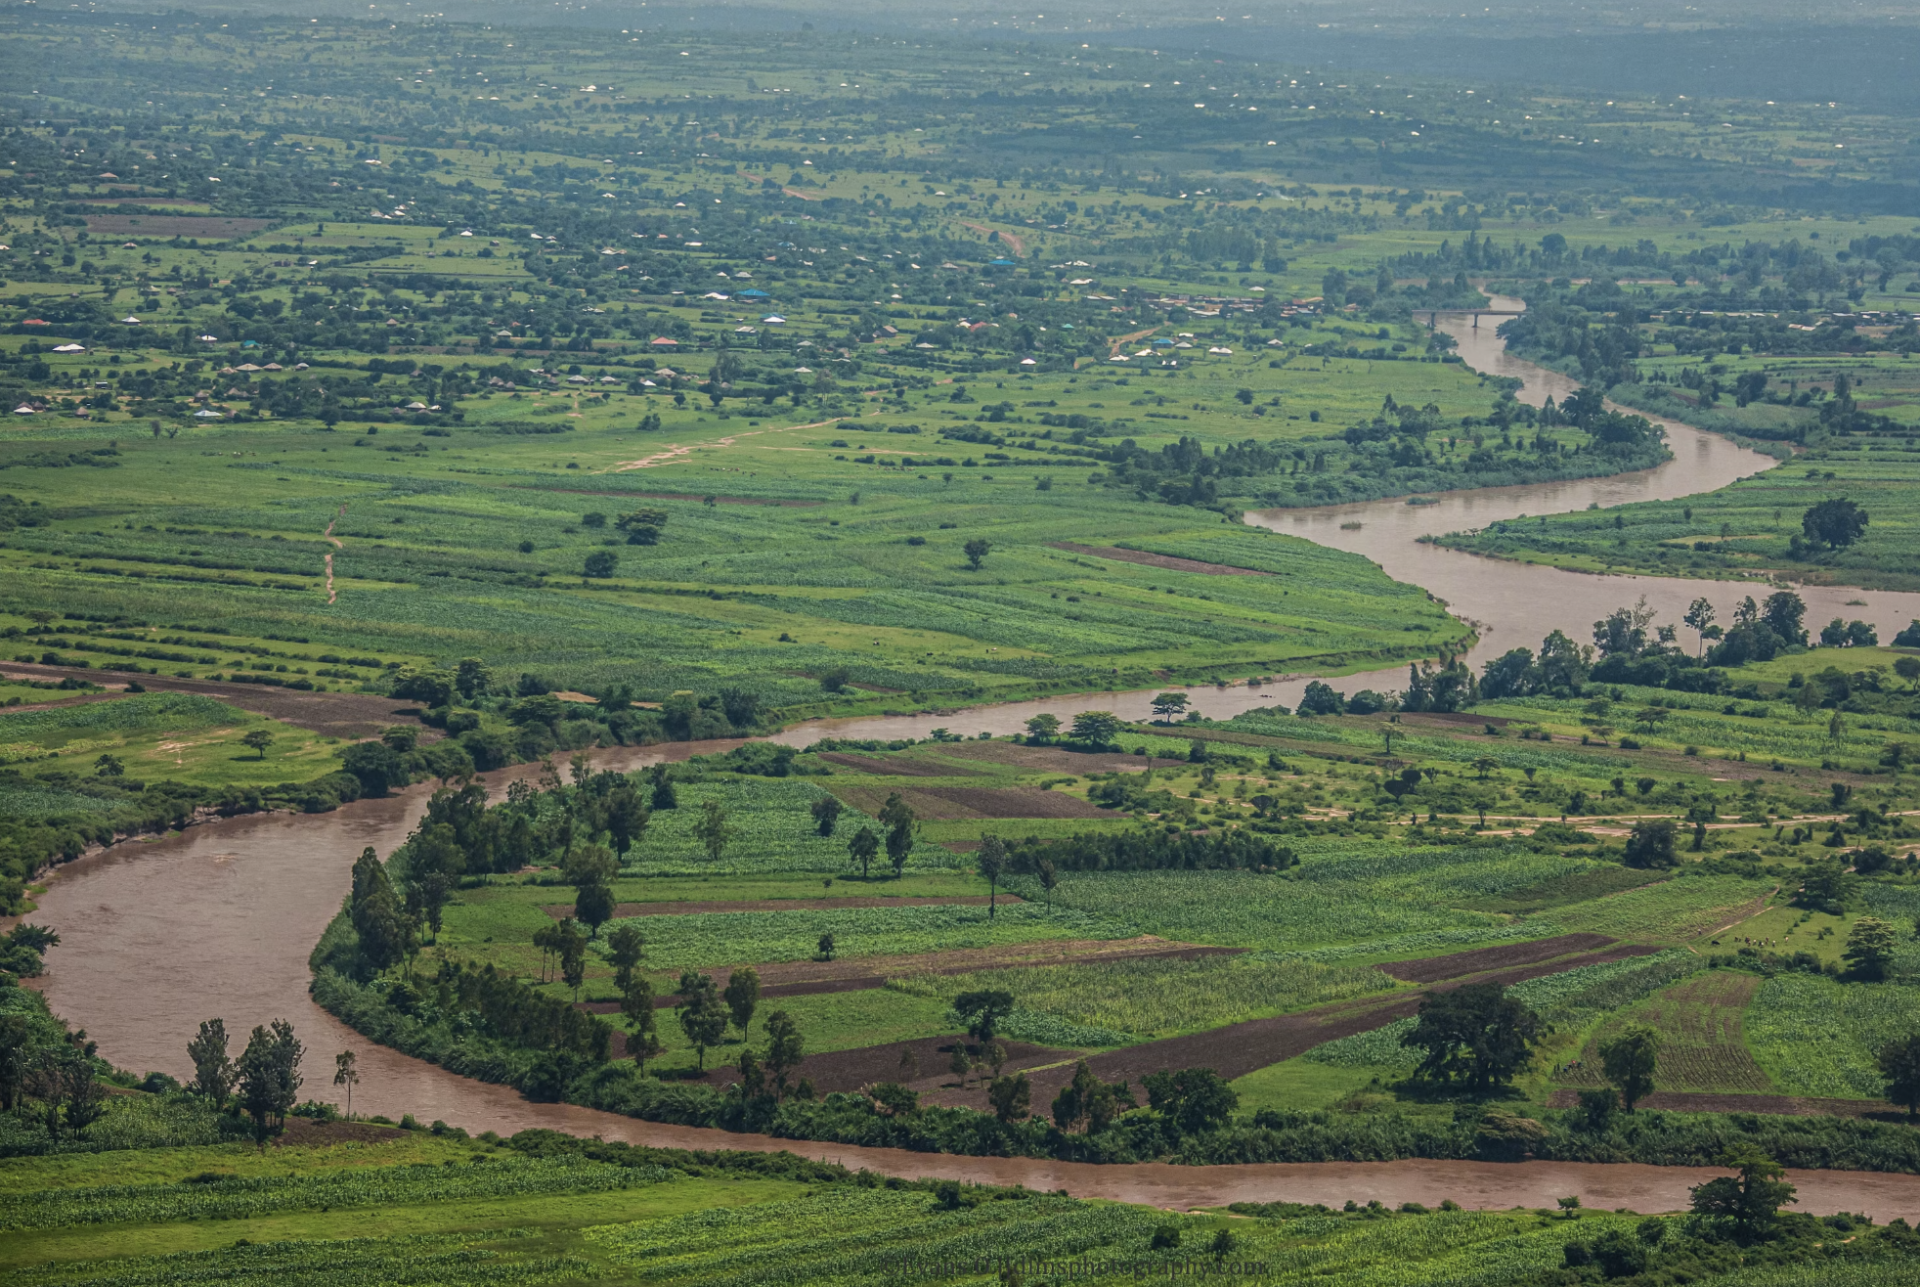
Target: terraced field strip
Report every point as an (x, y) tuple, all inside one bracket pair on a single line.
[(947, 804), (812, 978), (691, 908), (1455, 965), (1702, 1045)]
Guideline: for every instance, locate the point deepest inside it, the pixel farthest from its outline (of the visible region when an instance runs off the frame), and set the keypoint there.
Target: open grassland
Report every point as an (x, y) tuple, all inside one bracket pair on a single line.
[(178, 736)]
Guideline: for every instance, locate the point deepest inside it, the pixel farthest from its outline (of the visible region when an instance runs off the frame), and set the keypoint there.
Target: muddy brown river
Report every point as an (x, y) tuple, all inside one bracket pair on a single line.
[(218, 920)]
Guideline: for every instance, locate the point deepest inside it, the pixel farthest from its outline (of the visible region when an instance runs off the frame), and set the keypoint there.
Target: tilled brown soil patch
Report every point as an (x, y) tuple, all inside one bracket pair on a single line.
[(849, 1070), (1457, 964), (898, 768), (1056, 759), (1170, 562), (1677, 1101), (946, 804), (349, 716), (624, 910)]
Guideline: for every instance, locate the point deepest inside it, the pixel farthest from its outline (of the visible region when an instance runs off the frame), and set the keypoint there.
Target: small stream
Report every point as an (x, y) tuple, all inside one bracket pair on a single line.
[(218, 920)]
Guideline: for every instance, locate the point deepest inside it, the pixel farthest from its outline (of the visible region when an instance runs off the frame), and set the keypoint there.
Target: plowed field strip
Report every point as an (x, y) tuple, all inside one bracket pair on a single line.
[(1456, 964), (625, 910)]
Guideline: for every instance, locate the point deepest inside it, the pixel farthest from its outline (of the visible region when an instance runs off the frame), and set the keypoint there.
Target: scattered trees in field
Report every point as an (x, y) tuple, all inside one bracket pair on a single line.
[(703, 1018), (991, 862), (258, 740), (976, 551), (742, 995), (826, 814)]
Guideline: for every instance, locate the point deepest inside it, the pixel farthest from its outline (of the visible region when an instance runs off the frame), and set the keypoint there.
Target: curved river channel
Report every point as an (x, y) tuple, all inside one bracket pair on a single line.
[(218, 920)]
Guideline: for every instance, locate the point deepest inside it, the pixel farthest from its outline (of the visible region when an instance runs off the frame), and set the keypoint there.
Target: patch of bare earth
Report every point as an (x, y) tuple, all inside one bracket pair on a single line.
[(1454, 965), (1167, 561), (349, 716), (960, 803), (218, 227), (1055, 759)]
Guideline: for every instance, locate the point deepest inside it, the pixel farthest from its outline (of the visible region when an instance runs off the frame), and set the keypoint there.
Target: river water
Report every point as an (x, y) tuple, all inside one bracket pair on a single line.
[(218, 920)]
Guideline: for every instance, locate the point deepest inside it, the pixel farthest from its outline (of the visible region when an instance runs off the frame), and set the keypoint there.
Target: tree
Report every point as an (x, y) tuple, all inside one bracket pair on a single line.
[(983, 1011), (898, 818), (626, 818), (991, 861), (1095, 728), (826, 814), (258, 740), (1010, 1097), (976, 551), (1699, 617), (702, 1017), (16, 1049), (1088, 1102), (1835, 524), (1169, 704), (1900, 1066), (863, 846), (269, 1078), (1049, 879), (1321, 699), (742, 995), (572, 949), (346, 1073), (1043, 728), (600, 565), (1193, 1099), (1476, 1035), (826, 946), (470, 678), (1651, 845), (626, 947), (593, 907), (713, 830), (1870, 948), (213, 1071), (643, 526), (785, 1049), (960, 1065), (375, 765), (1629, 1061), (636, 1007), (1749, 1204)]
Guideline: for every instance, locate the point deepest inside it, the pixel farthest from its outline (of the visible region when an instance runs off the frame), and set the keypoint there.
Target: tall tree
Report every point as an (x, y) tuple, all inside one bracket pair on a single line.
[(626, 947), (626, 818), (826, 814), (636, 1006), (1630, 1061), (863, 847), (1476, 1035), (213, 1071), (269, 1078), (346, 1072), (785, 1049), (1870, 948), (713, 830), (1749, 1204), (1010, 1097), (702, 1017), (983, 1011), (1900, 1065), (742, 996), (991, 861)]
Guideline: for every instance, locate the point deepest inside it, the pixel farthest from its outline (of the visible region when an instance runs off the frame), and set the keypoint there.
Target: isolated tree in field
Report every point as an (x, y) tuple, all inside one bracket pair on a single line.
[(983, 1011), (896, 815), (626, 818), (826, 814), (960, 1065), (636, 1007), (643, 526), (863, 846), (600, 565), (660, 783), (626, 948), (1870, 947), (1900, 1066), (1476, 1036), (1167, 705), (1011, 1098), (592, 907), (976, 551), (213, 1071), (826, 946), (1043, 728), (1835, 524), (269, 1078), (1700, 617), (1630, 1061), (109, 766), (785, 1049), (1049, 879), (1750, 1204), (346, 1073), (1095, 728), (991, 862), (258, 741), (702, 1017), (1651, 845), (713, 830), (742, 995)]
